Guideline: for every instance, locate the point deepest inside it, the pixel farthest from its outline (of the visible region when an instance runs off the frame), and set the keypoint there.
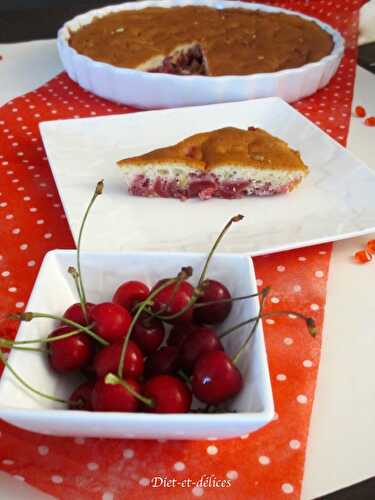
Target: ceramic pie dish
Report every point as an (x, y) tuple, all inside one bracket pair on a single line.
[(160, 90)]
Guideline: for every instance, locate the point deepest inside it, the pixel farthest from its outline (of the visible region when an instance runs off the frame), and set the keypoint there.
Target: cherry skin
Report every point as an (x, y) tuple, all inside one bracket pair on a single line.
[(72, 353), (162, 362), (130, 293), (214, 313), (148, 333), (75, 313), (108, 358), (172, 299), (111, 321), (82, 395), (216, 378), (115, 397), (201, 340), (169, 394), (179, 333)]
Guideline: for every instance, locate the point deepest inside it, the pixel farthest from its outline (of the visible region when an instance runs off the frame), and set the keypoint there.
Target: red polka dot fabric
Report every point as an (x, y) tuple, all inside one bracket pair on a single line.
[(265, 465)]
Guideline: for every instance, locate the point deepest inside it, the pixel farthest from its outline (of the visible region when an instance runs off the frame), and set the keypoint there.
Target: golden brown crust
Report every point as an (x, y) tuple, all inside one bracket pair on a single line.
[(233, 41), (227, 146)]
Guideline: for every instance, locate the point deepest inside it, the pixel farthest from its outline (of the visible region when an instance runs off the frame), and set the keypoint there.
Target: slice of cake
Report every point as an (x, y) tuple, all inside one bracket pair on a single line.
[(224, 163)]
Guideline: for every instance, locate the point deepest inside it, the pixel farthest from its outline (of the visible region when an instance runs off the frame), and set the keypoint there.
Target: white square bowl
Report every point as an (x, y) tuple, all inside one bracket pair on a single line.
[(103, 272)]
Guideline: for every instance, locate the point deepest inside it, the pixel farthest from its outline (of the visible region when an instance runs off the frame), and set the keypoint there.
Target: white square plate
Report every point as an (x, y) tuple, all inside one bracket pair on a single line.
[(54, 291), (335, 201)]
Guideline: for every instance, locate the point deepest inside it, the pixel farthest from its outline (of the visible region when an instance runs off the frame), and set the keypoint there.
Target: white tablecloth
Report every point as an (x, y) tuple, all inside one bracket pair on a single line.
[(341, 447)]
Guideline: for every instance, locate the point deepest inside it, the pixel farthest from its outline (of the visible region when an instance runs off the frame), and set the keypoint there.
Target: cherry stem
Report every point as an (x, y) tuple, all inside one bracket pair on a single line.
[(73, 271), (310, 322), (185, 272), (15, 343), (28, 316), (236, 218), (184, 376), (112, 379), (28, 386), (98, 191), (224, 301)]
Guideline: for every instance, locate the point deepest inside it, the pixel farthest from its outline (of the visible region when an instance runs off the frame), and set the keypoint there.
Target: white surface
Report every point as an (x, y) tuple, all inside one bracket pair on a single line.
[(347, 373), (158, 90), (54, 291), (83, 151)]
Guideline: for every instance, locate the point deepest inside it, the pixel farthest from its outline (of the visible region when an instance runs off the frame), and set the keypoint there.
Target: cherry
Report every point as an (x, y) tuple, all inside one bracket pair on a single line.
[(111, 321), (213, 291), (148, 333), (107, 360), (201, 340), (216, 378), (115, 397), (163, 361), (169, 394), (75, 313), (82, 395), (130, 293), (172, 299), (71, 353), (179, 333)]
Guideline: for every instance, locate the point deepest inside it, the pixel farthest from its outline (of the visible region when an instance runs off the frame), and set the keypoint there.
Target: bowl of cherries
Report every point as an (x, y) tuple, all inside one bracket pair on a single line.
[(140, 345)]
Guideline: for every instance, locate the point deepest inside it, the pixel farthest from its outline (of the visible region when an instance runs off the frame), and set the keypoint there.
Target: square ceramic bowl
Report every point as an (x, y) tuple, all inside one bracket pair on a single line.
[(160, 90), (103, 272)]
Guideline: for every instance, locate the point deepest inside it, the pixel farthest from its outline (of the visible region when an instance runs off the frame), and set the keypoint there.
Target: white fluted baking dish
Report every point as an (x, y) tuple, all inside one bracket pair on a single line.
[(160, 90)]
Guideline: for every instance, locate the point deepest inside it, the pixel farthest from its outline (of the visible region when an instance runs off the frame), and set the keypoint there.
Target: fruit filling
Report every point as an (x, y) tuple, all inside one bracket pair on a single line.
[(183, 62)]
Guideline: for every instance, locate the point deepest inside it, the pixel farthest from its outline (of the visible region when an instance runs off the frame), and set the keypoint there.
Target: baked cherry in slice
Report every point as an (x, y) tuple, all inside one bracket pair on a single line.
[(108, 358), (71, 353), (201, 340), (148, 333), (162, 362), (130, 293), (212, 291), (168, 394), (172, 300), (75, 313), (115, 397), (216, 378), (112, 321), (82, 396)]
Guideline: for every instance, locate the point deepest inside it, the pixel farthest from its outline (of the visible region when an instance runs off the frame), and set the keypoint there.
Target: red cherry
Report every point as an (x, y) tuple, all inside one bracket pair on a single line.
[(72, 353), (169, 394), (107, 360), (172, 299), (179, 333), (82, 394), (111, 321), (130, 293), (148, 333), (163, 361), (201, 340), (214, 313), (75, 313), (216, 378), (115, 397)]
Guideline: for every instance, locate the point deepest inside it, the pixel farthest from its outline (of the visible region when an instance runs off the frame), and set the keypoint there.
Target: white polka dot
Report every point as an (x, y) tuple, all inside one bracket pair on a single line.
[(302, 399), (270, 321), (79, 440), (197, 491), (287, 488), (302, 259), (12, 289), (275, 300), (43, 450), (232, 474), (288, 341), (179, 466), (259, 282), (107, 495), (40, 221), (128, 453), (264, 460), (292, 316), (3, 204), (244, 436), (314, 307), (92, 466), (319, 274), (23, 246), (297, 288), (19, 305), (322, 252), (280, 269), (307, 363), (56, 479), (7, 461), (48, 236), (5, 274), (31, 263), (294, 444), (9, 216), (212, 449), (281, 377), (144, 481), (33, 209), (16, 230)]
